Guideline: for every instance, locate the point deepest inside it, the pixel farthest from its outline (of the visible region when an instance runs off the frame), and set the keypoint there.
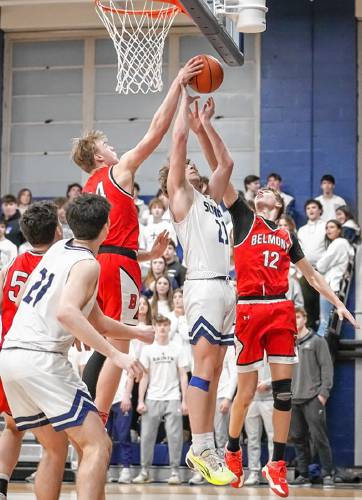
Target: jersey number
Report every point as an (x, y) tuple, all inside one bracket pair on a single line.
[(223, 234), (271, 259), (42, 285), (100, 189), (17, 280)]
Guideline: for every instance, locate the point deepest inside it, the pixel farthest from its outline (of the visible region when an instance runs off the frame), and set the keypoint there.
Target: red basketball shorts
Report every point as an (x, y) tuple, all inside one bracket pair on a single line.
[(119, 287), (4, 405), (264, 326)]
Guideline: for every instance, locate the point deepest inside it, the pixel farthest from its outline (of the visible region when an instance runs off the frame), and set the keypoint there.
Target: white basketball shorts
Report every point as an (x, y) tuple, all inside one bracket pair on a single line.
[(210, 310), (42, 388)]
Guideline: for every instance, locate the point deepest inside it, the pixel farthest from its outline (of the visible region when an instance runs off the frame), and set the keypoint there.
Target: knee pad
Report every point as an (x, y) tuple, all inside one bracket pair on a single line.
[(282, 394), (200, 383)]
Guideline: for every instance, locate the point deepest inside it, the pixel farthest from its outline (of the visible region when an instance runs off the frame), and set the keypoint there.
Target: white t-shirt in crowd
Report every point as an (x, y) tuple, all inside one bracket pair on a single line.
[(287, 199), (152, 230), (135, 349), (162, 363), (179, 334), (8, 252), (312, 240), (330, 206), (229, 376)]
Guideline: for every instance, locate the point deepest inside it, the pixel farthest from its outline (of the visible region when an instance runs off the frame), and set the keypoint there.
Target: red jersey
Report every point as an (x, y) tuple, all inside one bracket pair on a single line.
[(17, 273), (262, 253), (124, 229)]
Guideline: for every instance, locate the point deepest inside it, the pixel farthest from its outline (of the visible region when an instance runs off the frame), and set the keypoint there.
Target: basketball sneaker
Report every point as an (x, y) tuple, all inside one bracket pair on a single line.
[(234, 462), (211, 466), (276, 475)]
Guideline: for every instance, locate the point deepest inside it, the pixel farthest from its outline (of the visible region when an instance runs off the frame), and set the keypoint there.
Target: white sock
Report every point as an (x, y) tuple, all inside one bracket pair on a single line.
[(202, 442)]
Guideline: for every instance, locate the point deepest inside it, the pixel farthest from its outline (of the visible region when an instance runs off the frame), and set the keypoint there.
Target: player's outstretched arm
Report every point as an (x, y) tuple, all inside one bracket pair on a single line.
[(220, 178), (79, 289), (316, 280), (180, 192), (230, 194), (111, 328), (160, 123)]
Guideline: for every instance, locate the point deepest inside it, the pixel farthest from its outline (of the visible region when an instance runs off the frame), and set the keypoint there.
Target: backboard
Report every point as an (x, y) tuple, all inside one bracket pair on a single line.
[(220, 32)]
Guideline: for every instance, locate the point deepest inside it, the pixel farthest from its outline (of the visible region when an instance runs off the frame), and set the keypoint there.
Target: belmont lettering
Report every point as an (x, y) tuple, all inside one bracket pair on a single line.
[(269, 239)]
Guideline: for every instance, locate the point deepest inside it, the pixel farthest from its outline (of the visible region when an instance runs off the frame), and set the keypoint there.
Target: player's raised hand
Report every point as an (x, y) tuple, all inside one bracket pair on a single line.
[(145, 333), (343, 313), (192, 68), (160, 244), (208, 110), (194, 119)]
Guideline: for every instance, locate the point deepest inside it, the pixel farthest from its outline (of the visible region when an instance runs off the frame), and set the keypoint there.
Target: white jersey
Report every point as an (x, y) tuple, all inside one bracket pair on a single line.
[(35, 325), (204, 239)]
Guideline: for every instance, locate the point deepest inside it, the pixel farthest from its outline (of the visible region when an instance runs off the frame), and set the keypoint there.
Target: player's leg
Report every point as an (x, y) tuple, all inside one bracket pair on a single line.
[(119, 285), (214, 385), (96, 446), (49, 475), (10, 444)]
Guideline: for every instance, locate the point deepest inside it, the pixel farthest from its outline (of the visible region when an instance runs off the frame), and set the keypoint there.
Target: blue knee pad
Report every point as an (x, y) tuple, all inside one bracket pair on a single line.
[(200, 383)]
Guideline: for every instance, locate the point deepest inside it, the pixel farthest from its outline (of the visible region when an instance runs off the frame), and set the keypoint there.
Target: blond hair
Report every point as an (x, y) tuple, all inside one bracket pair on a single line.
[(84, 149)]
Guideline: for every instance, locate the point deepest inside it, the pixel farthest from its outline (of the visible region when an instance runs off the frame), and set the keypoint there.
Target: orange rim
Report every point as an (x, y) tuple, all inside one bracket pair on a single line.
[(152, 13)]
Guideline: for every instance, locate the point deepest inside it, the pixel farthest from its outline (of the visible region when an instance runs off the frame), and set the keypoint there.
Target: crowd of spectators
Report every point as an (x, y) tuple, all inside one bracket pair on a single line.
[(328, 239)]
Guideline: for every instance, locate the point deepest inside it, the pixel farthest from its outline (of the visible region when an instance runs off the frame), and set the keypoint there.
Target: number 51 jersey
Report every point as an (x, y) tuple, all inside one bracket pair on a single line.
[(35, 325), (262, 253)]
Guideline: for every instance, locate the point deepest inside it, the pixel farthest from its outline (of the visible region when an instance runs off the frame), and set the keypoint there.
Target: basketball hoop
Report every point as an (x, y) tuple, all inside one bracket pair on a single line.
[(138, 35)]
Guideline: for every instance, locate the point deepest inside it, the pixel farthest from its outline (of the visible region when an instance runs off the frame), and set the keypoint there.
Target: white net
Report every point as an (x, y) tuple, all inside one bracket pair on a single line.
[(138, 33)]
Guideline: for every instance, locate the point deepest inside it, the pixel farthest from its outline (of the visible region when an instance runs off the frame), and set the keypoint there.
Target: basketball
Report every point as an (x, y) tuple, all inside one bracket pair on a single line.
[(210, 78)]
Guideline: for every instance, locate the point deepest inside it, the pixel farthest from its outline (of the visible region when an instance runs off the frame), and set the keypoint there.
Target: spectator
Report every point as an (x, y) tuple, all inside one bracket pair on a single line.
[(312, 383), (350, 229), (61, 203), (295, 292), (179, 331), (165, 373), (312, 240), (252, 185), (144, 318), (330, 201), (158, 267), (275, 181), (73, 191), (175, 269), (157, 225), (24, 199), (161, 196), (143, 211), (161, 302), (333, 265), (8, 250), (11, 216), (119, 424)]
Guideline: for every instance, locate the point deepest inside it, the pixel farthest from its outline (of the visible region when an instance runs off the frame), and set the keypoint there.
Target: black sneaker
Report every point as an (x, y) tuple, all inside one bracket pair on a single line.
[(300, 481), (328, 482)]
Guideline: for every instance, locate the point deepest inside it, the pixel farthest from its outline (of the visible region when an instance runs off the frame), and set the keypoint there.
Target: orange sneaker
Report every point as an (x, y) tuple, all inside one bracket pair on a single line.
[(234, 462), (276, 475)]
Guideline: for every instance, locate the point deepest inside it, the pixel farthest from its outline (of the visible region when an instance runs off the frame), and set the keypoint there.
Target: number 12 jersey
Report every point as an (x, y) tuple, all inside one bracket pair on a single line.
[(262, 253)]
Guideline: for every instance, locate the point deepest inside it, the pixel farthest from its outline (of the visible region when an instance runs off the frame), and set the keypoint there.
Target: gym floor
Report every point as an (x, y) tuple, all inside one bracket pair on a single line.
[(159, 491)]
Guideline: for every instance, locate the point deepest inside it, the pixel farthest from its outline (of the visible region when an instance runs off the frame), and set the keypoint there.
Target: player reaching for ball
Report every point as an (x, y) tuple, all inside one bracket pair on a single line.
[(265, 319), (120, 276), (208, 296)]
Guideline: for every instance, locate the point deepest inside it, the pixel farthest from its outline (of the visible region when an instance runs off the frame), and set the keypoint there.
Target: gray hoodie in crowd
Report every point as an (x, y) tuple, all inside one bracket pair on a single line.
[(313, 374)]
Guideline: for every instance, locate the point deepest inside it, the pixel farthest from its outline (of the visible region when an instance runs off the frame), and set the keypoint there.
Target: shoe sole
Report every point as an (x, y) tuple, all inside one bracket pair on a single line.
[(266, 475), (204, 474)]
